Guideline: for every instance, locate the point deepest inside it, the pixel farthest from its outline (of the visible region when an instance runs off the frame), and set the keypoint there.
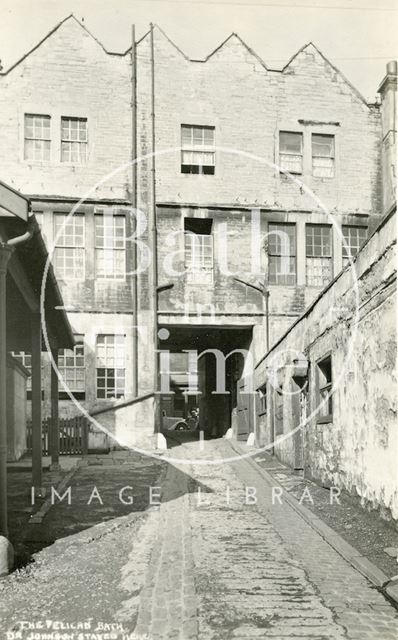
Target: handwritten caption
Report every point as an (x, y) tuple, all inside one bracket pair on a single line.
[(61, 630)]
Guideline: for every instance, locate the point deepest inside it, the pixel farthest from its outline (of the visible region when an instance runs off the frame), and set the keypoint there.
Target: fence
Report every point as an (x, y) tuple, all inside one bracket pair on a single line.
[(73, 436)]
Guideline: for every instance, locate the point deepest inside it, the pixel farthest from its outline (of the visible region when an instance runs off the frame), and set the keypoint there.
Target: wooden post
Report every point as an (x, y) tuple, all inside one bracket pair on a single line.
[(5, 253), (36, 405), (54, 431), (84, 436)]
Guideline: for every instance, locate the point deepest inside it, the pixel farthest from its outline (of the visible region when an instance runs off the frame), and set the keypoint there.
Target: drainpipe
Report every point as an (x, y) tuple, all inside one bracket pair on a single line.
[(133, 249), (154, 244), (13, 242), (6, 553), (6, 550)]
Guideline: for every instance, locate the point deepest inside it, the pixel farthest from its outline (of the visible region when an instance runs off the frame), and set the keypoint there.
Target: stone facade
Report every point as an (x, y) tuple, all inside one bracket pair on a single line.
[(69, 74)]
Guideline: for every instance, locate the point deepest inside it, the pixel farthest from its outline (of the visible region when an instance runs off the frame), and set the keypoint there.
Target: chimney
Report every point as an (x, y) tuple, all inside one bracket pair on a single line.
[(388, 95)]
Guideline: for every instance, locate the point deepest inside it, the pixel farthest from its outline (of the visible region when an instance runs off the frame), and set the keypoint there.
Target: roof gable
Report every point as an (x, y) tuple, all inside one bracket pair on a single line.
[(308, 51), (233, 43), (69, 23)]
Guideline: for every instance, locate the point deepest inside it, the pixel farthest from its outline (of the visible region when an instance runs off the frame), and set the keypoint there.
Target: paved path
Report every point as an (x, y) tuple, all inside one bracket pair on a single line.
[(210, 568)]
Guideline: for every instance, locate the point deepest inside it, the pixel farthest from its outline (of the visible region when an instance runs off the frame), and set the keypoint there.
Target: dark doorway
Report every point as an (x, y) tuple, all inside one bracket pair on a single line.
[(215, 397)]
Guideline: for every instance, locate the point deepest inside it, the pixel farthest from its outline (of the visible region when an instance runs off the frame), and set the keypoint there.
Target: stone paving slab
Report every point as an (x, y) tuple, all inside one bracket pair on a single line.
[(205, 564), (348, 519)]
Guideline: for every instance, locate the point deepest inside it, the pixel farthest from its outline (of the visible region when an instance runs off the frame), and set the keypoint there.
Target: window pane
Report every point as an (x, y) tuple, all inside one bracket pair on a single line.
[(290, 142), (37, 127), (208, 136), (110, 239), (322, 145), (354, 239), (281, 270), (291, 163), (74, 140), (72, 367), (281, 239), (110, 380), (37, 137), (198, 251), (323, 167), (69, 263), (197, 143), (186, 135), (322, 155), (319, 271), (318, 240), (71, 230)]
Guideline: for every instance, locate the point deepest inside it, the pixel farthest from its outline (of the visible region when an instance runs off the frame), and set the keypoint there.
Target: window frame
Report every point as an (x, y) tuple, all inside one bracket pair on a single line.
[(282, 169), (121, 277), (320, 257), (345, 258), (79, 394), (327, 418), (292, 225), (79, 273), (26, 138), (332, 137), (193, 168), (106, 376), (82, 144), (193, 274), (262, 403)]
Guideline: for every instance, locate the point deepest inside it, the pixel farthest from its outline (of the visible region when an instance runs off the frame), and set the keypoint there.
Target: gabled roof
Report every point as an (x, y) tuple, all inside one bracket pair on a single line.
[(233, 36), (50, 33), (311, 45), (206, 59)]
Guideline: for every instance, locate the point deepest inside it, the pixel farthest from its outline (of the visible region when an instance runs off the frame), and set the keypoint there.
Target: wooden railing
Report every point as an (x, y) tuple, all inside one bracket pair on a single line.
[(73, 436)]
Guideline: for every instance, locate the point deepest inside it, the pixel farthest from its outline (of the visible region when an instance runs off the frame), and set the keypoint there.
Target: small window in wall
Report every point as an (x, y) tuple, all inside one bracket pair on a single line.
[(72, 367), (354, 239), (111, 366), (110, 246), (69, 256), (322, 155), (291, 151), (262, 401), (37, 136), (74, 140), (199, 260), (281, 253), (324, 385), (198, 153), (319, 268)]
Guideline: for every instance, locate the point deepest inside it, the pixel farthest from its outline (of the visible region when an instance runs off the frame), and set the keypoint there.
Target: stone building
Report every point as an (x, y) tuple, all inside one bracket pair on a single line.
[(326, 391), (226, 131)]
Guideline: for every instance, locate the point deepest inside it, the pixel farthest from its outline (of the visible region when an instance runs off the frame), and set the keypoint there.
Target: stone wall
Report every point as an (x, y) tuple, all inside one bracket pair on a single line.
[(70, 74), (353, 320)]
